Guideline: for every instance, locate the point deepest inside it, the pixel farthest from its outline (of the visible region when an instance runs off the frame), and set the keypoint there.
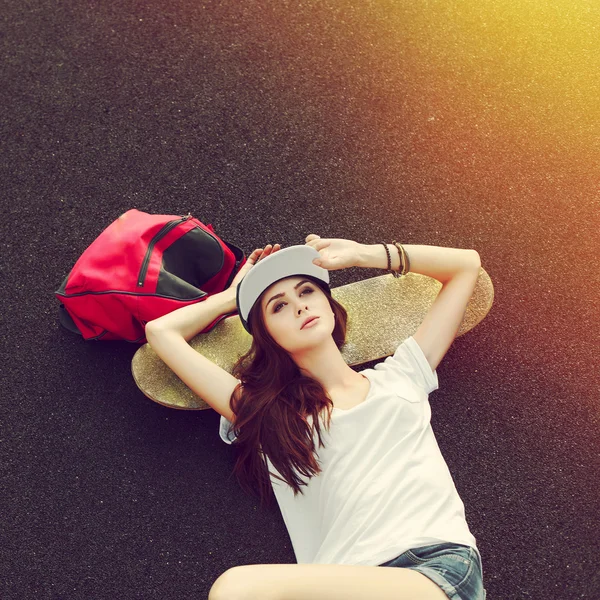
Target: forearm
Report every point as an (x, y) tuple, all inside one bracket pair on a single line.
[(434, 261), (189, 320)]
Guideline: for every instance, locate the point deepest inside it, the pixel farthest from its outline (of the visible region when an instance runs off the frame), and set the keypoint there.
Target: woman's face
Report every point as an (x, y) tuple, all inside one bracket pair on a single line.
[(284, 315)]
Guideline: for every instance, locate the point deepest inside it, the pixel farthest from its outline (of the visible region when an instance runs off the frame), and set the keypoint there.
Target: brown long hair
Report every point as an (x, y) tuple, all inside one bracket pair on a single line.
[(271, 406)]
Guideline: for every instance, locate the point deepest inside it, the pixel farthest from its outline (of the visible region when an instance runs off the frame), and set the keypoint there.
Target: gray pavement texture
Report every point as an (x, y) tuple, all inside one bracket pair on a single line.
[(458, 124)]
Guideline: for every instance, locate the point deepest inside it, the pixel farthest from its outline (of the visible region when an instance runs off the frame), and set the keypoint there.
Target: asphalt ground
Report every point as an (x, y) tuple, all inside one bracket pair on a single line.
[(457, 124)]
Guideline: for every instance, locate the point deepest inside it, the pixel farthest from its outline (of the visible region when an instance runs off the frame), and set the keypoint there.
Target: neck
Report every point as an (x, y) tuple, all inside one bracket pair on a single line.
[(326, 365)]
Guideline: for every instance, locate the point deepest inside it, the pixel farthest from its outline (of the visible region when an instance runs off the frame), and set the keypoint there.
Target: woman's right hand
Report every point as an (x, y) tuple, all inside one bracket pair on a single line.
[(230, 293), (257, 255)]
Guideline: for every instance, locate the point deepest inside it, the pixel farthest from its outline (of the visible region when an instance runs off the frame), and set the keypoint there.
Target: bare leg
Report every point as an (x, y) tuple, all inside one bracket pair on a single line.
[(323, 582)]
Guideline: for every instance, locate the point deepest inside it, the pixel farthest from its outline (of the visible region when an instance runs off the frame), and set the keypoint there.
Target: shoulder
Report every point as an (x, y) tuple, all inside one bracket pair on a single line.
[(409, 361)]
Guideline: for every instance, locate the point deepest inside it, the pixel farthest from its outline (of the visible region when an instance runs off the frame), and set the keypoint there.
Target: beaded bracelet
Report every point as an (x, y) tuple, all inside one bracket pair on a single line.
[(404, 260)]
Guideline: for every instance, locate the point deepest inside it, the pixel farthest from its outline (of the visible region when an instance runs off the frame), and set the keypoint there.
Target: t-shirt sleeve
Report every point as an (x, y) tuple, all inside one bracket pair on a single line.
[(409, 361), (226, 431)]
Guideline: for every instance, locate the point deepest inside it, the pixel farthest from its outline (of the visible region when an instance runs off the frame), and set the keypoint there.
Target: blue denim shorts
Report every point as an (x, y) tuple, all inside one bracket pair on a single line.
[(454, 567)]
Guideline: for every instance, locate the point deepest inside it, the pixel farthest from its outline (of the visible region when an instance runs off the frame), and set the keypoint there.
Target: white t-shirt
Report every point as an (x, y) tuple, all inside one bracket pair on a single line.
[(384, 487)]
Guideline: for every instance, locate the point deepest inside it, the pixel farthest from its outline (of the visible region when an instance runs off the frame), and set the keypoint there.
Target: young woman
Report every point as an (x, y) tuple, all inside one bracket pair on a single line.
[(377, 491)]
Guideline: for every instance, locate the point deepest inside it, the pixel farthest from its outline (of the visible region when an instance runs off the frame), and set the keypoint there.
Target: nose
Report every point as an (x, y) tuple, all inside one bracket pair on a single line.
[(300, 308)]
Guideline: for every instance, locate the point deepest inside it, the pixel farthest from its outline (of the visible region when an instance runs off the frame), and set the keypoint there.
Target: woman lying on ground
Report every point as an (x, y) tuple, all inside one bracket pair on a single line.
[(377, 491)]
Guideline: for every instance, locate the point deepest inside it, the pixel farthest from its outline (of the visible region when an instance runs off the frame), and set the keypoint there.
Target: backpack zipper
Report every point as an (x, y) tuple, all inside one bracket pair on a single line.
[(166, 228)]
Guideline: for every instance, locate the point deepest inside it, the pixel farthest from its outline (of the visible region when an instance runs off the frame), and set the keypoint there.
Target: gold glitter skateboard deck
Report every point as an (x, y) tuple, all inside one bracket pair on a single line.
[(382, 312)]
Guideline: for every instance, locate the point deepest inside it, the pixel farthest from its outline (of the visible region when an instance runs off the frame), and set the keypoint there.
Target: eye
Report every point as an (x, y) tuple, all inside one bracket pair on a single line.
[(276, 309)]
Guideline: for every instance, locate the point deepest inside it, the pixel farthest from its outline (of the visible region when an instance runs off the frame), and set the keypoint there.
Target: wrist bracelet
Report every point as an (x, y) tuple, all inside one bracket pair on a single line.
[(405, 259), (389, 259), (404, 264), (402, 257)]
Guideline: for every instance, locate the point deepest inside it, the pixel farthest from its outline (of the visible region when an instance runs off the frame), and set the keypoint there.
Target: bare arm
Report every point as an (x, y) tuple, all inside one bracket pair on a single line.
[(456, 269), (188, 321), (434, 261)]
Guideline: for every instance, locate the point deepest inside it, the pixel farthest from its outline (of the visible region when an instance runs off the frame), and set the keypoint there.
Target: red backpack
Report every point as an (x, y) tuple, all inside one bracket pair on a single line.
[(142, 267)]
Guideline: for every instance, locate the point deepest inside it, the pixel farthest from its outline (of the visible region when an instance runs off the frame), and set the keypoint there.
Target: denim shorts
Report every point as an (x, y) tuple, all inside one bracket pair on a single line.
[(454, 567)]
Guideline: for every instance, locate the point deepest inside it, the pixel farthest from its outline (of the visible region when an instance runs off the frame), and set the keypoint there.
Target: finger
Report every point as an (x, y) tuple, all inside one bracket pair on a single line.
[(311, 236), (261, 253), (266, 251)]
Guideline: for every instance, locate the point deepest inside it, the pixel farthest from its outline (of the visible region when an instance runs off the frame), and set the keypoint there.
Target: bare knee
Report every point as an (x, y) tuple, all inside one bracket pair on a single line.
[(229, 586)]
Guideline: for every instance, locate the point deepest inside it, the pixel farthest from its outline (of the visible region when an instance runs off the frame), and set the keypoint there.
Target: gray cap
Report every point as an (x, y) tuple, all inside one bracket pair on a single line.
[(287, 262)]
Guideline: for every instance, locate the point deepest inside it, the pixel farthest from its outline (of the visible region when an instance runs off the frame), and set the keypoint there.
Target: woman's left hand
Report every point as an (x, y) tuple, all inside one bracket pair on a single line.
[(335, 253)]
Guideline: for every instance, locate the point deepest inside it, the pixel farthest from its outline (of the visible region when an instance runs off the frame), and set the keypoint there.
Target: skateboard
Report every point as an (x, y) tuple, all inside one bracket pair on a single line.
[(382, 312)]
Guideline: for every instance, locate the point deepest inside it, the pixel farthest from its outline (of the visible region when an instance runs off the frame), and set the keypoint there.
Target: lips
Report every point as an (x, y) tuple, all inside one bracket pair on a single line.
[(310, 319)]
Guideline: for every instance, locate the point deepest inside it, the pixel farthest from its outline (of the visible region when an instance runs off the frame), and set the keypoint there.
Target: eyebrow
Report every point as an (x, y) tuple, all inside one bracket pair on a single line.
[(283, 293)]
